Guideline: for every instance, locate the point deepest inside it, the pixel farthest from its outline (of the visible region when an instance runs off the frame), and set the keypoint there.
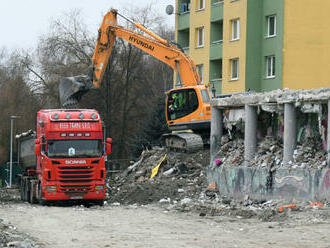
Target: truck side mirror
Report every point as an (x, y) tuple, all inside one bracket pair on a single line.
[(37, 147), (108, 145)]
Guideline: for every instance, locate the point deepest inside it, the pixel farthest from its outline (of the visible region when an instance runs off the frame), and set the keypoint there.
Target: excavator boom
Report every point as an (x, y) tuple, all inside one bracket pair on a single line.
[(154, 45), (187, 107)]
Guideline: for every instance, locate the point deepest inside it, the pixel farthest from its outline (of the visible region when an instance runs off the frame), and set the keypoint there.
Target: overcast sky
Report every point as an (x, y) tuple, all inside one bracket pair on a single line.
[(22, 22)]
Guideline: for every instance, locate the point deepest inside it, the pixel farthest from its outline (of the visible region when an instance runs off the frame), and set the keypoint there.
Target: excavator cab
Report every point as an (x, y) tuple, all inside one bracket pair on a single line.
[(188, 108), (188, 114), (181, 103)]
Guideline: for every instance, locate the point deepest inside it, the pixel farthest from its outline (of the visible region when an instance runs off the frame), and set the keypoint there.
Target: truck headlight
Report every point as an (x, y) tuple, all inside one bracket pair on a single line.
[(99, 187), (51, 188)]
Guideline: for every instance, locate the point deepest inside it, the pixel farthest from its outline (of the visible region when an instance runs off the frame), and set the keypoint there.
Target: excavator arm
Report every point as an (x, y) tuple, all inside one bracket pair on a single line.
[(71, 89), (187, 107)]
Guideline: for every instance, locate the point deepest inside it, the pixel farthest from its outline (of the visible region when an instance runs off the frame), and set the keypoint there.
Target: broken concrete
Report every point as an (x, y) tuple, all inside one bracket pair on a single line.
[(303, 153), (273, 98)]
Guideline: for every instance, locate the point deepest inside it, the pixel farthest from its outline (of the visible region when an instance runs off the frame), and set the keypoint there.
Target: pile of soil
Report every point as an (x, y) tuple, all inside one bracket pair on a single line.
[(180, 176)]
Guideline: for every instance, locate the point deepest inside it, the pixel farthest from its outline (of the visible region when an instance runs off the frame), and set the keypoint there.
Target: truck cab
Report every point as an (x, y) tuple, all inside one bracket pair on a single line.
[(70, 155)]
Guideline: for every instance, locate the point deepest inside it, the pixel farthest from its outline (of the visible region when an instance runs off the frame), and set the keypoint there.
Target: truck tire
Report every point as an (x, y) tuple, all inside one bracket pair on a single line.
[(22, 188), (99, 202), (42, 202), (32, 199), (26, 190)]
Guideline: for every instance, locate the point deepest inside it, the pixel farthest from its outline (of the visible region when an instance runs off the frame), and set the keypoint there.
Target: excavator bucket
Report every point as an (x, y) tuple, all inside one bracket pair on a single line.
[(71, 89)]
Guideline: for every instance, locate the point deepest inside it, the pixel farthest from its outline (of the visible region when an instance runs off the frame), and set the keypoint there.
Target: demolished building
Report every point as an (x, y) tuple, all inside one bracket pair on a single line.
[(272, 144)]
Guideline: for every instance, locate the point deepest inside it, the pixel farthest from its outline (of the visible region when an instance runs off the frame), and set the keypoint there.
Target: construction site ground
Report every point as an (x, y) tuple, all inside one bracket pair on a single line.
[(176, 208), (153, 226)]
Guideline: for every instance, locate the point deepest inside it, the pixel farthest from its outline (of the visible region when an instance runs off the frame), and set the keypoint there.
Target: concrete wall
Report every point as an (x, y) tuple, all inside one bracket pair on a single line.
[(259, 183)]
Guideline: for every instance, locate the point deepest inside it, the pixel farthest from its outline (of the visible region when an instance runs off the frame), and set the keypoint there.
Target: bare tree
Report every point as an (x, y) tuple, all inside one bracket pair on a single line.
[(65, 51), (132, 89), (15, 99)]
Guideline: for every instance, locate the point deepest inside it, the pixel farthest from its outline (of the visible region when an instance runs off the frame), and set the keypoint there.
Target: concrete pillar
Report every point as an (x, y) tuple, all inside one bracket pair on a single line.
[(328, 139), (290, 132), (216, 131), (250, 133)]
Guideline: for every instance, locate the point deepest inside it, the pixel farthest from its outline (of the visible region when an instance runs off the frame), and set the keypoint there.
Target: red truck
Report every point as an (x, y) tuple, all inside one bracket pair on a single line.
[(65, 158)]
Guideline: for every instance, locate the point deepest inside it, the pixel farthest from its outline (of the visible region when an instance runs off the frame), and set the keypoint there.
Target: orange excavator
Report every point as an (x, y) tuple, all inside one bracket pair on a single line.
[(187, 107)]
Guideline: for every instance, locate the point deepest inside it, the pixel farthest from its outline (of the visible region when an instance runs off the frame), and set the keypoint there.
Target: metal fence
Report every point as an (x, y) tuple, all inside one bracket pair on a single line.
[(4, 174)]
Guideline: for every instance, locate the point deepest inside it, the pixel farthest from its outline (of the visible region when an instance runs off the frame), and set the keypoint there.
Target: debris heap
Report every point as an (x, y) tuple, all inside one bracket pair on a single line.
[(180, 177), (309, 154)]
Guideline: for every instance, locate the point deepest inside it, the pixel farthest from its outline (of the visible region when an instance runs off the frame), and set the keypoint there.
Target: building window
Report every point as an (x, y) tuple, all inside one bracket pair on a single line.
[(270, 66), (235, 29), (185, 6), (200, 37), (200, 72), (200, 4), (271, 26), (234, 69)]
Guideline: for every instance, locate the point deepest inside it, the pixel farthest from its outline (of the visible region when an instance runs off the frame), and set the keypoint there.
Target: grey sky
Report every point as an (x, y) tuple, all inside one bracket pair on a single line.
[(23, 21)]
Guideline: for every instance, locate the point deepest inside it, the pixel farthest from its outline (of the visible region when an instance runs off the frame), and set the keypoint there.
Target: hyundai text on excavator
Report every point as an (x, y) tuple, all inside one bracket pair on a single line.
[(187, 107)]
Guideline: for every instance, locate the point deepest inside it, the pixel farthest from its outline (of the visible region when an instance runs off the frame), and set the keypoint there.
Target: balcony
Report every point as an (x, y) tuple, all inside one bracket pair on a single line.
[(216, 50), (216, 11), (217, 84), (183, 20), (183, 38)]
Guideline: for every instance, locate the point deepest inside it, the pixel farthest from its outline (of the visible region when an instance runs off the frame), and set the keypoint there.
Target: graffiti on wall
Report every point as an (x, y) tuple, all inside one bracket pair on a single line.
[(290, 185), (305, 184)]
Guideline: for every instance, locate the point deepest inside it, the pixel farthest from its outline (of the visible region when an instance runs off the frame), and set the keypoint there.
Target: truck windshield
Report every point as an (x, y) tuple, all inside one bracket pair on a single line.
[(74, 148)]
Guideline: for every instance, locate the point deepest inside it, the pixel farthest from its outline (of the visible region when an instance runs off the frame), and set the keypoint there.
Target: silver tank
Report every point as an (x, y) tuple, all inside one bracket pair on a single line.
[(27, 157)]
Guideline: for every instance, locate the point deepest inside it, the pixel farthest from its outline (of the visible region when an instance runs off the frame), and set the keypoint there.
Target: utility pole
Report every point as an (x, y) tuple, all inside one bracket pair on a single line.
[(11, 148)]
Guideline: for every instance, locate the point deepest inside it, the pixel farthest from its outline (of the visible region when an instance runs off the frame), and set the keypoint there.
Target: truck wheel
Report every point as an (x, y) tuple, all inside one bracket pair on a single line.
[(22, 189), (32, 199), (41, 201), (26, 191), (99, 202)]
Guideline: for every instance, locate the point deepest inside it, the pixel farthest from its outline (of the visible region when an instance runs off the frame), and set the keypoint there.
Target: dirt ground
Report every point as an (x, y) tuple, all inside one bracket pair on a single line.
[(154, 226)]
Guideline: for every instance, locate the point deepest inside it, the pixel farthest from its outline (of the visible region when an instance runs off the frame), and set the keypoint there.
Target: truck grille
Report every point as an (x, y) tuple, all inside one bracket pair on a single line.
[(75, 188), (75, 179)]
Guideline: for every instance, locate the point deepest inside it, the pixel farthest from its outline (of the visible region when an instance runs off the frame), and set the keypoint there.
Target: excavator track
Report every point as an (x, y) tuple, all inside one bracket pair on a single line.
[(186, 142)]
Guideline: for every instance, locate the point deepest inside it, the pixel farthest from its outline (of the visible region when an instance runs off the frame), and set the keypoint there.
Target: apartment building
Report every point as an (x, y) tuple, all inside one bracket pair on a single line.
[(258, 45)]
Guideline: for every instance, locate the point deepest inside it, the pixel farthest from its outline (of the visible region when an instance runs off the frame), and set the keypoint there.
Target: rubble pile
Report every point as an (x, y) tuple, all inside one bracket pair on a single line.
[(9, 195), (180, 178), (309, 154), (269, 153), (180, 185), (231, 152), (10, 237)]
